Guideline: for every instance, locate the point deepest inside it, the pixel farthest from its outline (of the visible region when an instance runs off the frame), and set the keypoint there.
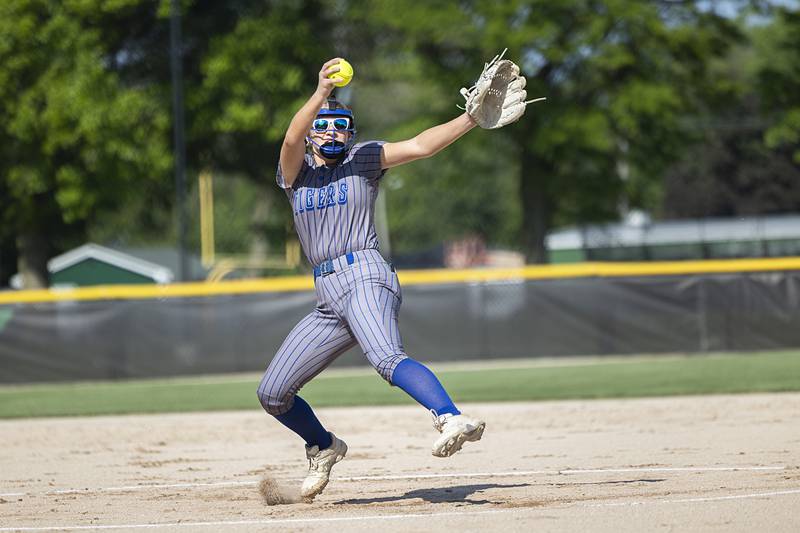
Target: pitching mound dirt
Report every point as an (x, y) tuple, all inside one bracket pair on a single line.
[(720, 463)]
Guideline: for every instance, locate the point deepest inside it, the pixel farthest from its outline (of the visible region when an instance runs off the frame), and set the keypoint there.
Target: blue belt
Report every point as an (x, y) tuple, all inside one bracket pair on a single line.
[(326, 267)]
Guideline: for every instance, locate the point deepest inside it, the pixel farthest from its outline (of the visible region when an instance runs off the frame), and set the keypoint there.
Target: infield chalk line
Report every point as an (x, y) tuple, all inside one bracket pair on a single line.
[(284, 521), (566, 472), (702, 499), (261, 522), (515, 473)]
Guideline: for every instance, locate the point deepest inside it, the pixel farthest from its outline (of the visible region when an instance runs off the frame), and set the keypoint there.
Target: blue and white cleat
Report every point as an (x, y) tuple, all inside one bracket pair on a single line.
[(455, 430), (320, 463)]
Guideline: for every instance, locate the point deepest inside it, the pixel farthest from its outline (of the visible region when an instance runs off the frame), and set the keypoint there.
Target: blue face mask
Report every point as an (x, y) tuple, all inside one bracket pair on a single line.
[(333, 149)]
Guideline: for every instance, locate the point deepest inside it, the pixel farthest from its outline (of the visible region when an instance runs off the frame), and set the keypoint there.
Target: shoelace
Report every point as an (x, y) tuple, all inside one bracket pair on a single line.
[(313, 462), (439, 421)]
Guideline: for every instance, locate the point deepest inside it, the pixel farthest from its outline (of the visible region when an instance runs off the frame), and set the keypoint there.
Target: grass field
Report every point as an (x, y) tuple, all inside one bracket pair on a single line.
[(524, 380)]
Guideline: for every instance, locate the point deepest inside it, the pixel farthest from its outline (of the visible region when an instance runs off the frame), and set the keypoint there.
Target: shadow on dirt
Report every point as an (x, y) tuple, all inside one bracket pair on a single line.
[(459, 493)]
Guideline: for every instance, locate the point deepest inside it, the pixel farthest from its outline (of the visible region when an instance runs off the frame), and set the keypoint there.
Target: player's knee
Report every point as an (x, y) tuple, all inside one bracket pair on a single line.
[(275, 403), (386, 363)]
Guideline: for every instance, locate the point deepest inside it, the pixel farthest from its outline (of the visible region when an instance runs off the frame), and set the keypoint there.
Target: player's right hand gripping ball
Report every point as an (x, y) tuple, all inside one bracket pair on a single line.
[(344, 75), (498, 97)]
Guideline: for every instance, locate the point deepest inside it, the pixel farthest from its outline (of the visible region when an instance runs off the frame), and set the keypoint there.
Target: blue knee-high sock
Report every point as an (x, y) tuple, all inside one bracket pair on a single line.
[(422, 385), (302, 420)]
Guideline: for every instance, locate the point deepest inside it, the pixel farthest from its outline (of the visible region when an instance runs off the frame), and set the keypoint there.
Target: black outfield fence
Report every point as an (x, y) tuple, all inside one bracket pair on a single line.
[(441, 319)]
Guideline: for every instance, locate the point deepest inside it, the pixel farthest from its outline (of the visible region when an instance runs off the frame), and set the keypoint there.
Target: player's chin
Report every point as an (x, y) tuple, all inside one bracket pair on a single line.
[(332, 150)]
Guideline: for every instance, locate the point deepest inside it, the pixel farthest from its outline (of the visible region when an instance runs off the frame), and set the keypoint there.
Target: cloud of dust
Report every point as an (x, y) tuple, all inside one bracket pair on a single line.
[(275, 492)]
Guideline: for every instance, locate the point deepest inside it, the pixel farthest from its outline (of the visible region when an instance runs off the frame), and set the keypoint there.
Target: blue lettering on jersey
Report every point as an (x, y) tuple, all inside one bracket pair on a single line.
[(309, 199), (321, 199), (330, 201), (324, 197)]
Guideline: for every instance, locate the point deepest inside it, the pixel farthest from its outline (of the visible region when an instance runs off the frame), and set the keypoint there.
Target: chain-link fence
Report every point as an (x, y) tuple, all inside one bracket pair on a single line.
[(101, 339)]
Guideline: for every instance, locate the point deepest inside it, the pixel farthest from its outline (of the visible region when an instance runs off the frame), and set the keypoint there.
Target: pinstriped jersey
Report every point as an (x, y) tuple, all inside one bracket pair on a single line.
[(334, 207)]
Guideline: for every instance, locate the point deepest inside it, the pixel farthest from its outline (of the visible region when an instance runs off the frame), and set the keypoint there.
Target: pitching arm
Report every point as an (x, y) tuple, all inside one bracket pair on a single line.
[(294, 142), (427, 143)]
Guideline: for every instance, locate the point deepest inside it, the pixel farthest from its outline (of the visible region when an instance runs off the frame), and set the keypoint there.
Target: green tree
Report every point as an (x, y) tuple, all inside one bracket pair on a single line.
[(241, 96), (779, 79), (75, 137), (619, 76), (248, 65), (85, 111), (742, 162)]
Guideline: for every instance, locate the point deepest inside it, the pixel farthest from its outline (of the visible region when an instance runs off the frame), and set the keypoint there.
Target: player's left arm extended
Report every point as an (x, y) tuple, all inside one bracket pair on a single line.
[(427, 143)]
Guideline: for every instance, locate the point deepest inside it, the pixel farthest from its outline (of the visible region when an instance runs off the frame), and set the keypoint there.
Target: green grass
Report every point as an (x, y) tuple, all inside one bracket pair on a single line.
[(652, 376)]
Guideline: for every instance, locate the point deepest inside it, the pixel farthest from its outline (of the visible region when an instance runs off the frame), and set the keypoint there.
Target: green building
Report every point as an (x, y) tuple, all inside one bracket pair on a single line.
[(92, 264)]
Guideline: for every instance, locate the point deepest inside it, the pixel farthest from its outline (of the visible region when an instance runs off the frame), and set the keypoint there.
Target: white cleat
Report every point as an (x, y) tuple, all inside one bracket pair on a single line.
[(320, 463), (455, 430)]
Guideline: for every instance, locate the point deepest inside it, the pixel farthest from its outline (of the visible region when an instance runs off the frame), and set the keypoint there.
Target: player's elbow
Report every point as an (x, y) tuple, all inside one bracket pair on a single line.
[(421, 149)]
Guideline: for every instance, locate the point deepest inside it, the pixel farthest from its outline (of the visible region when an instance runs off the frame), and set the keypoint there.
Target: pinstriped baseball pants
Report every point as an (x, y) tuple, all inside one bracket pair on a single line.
[(358, 303)]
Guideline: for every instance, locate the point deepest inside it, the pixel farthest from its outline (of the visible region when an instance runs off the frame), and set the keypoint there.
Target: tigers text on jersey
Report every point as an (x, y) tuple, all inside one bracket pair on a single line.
[(334, 207)]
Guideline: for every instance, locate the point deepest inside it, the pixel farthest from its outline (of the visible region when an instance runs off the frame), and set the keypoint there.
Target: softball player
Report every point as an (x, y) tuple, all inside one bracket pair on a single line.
[(332, 184)]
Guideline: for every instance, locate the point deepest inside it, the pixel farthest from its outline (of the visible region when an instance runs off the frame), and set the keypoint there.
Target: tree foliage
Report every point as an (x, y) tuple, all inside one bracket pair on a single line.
[(75, 137), (778, 46), (85, 107), (636, 91), (742, 160), (618, 75)]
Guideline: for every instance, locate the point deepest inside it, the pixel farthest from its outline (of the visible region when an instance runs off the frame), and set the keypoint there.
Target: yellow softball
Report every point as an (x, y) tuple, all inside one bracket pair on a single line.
[(344, 75)]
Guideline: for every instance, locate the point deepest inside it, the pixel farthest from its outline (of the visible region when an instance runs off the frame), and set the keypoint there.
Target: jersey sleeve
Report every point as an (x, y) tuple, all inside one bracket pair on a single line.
[(366, 158), (280, 179), (300, 175)]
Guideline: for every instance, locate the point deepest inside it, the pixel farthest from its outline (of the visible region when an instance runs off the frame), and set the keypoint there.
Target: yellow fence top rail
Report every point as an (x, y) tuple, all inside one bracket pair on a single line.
[(407, 277)]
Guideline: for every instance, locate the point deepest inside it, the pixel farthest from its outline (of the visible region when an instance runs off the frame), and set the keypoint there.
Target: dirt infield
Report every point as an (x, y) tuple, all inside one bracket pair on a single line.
[(720, 463)]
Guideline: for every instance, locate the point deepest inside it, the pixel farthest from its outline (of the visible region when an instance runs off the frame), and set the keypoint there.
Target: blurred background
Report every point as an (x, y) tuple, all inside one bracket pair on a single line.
[(139, 141), (670, 131)]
